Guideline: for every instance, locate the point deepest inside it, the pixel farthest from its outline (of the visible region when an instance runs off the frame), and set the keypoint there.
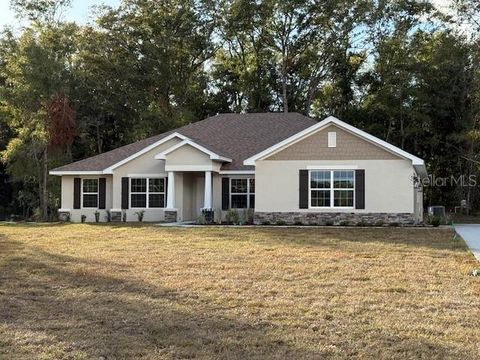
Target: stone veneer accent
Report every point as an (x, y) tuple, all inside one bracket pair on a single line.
[(64, 215), (115, 216), (170, 216), (331, 218)]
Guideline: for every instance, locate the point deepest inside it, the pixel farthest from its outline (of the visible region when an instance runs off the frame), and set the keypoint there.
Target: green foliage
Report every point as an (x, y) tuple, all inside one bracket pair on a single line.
[(140, 214), (393, 68), (435, 220), (232, 216)]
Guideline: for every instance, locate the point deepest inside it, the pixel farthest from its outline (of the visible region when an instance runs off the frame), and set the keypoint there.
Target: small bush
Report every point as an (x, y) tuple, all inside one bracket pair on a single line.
[(436, 220), (232, 216), (329, 223), (201, 219), (265, 222), (394, 224), (140, 215), (242, 218), (83, 218), (344, 223), (379, 223), (298, 223), (97, 216), (280, 222)]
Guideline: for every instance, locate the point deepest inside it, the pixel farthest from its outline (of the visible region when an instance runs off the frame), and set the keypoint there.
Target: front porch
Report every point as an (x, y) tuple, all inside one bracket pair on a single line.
[(188, 193)]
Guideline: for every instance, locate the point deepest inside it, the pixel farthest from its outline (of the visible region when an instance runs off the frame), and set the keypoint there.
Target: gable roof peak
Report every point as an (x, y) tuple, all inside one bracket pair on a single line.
[(416, 161)]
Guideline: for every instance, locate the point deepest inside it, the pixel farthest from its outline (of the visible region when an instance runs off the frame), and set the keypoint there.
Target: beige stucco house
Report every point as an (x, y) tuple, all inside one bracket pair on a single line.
[(284, 167)]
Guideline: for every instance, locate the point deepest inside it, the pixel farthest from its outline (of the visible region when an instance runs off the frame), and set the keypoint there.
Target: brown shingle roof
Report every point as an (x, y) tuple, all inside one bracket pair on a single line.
[(236, 136)]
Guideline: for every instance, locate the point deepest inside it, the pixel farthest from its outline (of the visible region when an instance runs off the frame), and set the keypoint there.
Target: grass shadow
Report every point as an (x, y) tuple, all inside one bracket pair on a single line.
[(98, 315)]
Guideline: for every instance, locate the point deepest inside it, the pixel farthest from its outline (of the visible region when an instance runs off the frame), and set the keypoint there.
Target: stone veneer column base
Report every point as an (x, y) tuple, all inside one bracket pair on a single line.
[(115, 216), (326, 218), (170, 216)]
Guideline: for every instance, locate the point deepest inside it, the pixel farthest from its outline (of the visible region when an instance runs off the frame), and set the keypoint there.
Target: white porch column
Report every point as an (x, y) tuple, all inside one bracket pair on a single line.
[(171, 190), (207, 203)]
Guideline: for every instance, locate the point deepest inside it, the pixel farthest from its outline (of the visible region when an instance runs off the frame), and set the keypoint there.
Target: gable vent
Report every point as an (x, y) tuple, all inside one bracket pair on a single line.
[(332, 139)]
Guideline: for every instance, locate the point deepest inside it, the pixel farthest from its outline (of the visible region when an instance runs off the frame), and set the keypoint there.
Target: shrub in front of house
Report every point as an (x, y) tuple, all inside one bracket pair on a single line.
[(232, 217), (435, 220), (140, 214)]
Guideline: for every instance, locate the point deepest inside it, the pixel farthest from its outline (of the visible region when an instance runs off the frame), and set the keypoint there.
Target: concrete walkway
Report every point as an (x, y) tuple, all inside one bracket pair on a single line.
[(471, 234)]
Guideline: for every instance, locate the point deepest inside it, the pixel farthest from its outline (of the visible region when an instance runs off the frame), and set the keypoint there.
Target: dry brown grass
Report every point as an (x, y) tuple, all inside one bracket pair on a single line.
[(87, 291)]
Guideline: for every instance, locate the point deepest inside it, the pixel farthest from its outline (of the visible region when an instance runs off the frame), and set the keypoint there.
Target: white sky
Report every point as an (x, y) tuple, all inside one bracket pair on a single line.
[(79, 11)]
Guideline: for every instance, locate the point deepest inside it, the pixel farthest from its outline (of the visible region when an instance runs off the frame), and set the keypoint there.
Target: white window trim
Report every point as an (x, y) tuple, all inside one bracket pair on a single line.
[(247, 193), (332, 190), (90, 193), (147, 193)]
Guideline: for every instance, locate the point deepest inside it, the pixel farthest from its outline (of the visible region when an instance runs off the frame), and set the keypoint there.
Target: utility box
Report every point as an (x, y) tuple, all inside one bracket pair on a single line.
[(436, 211)]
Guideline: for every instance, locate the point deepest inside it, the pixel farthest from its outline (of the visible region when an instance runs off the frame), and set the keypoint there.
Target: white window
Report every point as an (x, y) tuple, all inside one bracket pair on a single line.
[(332, 139), (90, 193), (242, 193), (332, 189), (147, 193)]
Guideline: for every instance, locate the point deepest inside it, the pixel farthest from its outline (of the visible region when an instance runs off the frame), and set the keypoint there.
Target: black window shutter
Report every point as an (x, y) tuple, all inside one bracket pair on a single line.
[(225, 193), (125, 192), (165, 188), (102, 190), (77, 184), (303, 189), (359, 189)]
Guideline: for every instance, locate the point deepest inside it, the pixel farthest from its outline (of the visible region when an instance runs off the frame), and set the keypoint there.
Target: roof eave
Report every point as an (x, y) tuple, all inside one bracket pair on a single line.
[(211, 154)]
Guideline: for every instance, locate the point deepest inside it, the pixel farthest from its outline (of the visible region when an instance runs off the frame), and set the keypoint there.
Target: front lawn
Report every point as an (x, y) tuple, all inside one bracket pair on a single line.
[(119, 292)]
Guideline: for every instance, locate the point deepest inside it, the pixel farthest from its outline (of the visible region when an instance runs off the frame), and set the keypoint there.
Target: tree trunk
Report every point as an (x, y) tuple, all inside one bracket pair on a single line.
[(99, 139), (284, 87), (44, 190)]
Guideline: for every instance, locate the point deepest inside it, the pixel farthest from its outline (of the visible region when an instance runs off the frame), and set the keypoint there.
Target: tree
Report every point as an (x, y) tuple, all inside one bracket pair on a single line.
[(165, 45), (36, 77)]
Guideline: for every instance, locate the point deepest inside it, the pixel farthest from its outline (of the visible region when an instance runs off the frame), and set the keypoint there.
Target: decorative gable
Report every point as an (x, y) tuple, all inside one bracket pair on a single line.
[(346, 146)]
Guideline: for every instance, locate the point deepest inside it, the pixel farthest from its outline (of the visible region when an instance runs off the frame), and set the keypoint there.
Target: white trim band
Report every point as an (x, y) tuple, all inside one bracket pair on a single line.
[(332, 167), (237, 172)]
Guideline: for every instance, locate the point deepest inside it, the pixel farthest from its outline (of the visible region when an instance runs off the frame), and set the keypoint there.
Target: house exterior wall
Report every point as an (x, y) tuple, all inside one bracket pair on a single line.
[(144, 164), (348, 147), (388, 186), (389, 190), (67, 199)]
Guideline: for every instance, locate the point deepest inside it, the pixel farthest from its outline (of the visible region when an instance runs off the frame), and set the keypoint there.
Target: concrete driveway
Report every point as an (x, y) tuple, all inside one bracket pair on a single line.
[(471, 234)]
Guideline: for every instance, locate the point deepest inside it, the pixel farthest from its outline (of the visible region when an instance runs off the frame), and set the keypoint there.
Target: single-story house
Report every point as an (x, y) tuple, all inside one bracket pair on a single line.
[(284, 167)]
